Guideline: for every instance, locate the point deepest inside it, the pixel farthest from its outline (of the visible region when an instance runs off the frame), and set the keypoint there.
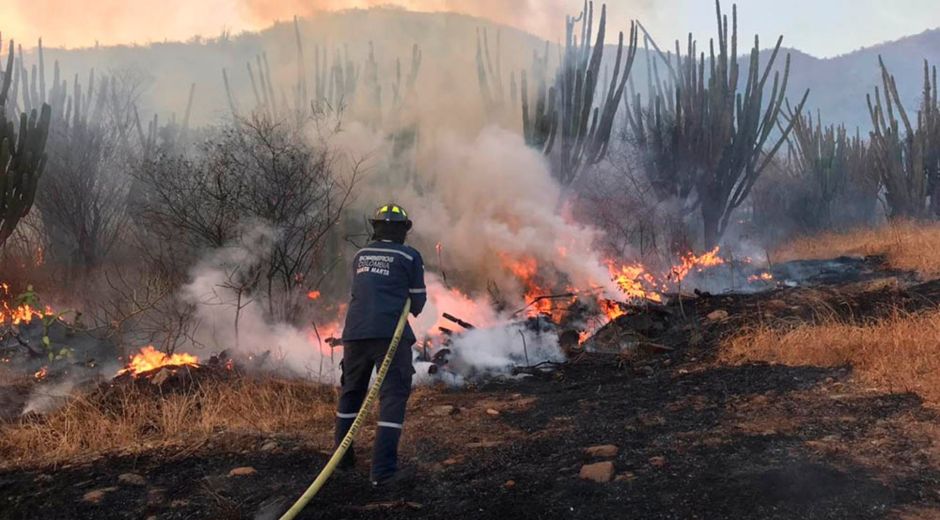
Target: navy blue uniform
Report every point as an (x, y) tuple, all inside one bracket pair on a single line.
[(385, 274)]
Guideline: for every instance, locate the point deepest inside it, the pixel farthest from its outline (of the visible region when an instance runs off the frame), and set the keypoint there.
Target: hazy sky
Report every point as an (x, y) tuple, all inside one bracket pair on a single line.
[(819, 27)]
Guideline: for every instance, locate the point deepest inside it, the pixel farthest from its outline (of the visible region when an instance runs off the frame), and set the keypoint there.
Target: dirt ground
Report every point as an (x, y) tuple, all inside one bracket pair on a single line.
[(694, 438)]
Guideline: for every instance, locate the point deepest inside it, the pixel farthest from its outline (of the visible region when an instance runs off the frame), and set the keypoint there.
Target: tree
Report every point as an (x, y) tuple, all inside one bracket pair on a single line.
[(257, 171)]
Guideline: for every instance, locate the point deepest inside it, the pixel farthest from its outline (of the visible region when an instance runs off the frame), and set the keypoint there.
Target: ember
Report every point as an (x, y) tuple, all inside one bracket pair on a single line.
[(762, 277), (150, 358), (41, 373)]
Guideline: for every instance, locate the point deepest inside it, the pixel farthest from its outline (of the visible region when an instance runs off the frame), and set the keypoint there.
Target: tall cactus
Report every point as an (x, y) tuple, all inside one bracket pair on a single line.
[(490, 76), (567, 112), (539, 125), (22, 155), (908, 158), (719, 135), (832, 163)]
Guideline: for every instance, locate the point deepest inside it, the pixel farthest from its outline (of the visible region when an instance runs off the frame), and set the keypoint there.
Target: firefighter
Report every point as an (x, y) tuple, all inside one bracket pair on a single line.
[(385, 273)]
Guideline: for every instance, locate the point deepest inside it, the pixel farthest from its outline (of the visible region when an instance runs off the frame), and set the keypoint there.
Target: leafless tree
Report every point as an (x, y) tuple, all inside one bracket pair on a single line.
[(256, 170)]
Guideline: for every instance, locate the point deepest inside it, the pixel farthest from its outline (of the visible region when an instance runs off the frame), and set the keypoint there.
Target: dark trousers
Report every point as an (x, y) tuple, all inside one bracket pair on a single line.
[(359, 360)]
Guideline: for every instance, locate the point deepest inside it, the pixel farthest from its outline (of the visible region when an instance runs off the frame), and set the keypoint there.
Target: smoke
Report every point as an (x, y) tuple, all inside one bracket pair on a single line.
[(489, 201), (45, 398), (498, 349), (113, 22), (231, 316), (539, 17)]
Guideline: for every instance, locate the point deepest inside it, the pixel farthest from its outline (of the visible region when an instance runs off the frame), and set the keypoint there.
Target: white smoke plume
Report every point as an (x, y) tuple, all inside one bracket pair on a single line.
[(489, 201), (47, 397), (214, 289)]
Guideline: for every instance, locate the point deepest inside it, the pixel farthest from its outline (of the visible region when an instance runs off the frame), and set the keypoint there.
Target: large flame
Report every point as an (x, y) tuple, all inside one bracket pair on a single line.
[(150, 358)]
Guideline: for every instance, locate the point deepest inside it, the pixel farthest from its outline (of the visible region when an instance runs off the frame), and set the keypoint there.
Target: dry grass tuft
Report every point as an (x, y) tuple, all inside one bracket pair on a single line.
[(132, 419), (908, 245), (900, 353)]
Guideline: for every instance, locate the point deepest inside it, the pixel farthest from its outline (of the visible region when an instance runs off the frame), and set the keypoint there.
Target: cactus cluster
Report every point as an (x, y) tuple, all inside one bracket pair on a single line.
[(834, 165), (907, 158), (712, 139), (338, 84), (22, 154), (573, 119)]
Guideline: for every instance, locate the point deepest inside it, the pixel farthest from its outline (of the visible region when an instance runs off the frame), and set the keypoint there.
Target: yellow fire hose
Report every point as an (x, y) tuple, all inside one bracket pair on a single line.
[(348, 439)]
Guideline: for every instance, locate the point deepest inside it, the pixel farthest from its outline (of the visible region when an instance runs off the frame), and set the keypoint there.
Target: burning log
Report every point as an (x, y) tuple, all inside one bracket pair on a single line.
[(458, 321)]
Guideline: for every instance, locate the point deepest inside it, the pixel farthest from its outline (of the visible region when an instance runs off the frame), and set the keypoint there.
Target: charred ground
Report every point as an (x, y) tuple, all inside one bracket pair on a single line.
[(697, 437)]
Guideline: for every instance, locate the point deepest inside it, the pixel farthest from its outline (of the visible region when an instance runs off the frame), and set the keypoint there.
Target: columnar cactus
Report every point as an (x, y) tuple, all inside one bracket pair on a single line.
[(908, 158), (571, 112), (714, 140), (22, 156), (832, 162)]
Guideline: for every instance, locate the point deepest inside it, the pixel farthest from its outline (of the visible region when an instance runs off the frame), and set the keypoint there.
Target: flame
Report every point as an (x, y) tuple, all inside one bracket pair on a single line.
[(699, 263), (634, 280), (150, 358), (313, 295), (41, 373), (763, 277)]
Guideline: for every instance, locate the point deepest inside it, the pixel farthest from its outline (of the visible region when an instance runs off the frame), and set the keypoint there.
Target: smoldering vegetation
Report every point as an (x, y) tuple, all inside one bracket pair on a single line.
[(206, 196), (630, 249)]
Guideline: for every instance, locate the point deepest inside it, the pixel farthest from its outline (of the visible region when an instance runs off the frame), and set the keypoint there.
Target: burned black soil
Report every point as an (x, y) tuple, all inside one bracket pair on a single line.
[(695, 438)]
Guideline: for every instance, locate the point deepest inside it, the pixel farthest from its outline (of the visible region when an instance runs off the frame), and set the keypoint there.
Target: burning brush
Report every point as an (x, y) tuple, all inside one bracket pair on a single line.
[(149, 360)]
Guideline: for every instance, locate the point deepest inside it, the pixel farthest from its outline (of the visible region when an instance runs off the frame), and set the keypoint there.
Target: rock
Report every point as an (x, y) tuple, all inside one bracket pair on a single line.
[(242, 471), (718, 315), (444, 410), (453, 461), (132, 479), (658, 461), (95, 496), (509, 484), (598, 472), (492, 411), (626, 476), (269, 446), (605, 450)]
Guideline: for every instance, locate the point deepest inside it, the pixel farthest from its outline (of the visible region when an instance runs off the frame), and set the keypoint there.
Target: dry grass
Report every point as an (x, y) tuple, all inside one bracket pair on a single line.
[(907, 245), (899, 353), (132, 420)]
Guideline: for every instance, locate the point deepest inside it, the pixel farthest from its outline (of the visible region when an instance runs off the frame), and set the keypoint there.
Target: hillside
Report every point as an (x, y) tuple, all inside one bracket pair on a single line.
[(448, 74), (839, 85)]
